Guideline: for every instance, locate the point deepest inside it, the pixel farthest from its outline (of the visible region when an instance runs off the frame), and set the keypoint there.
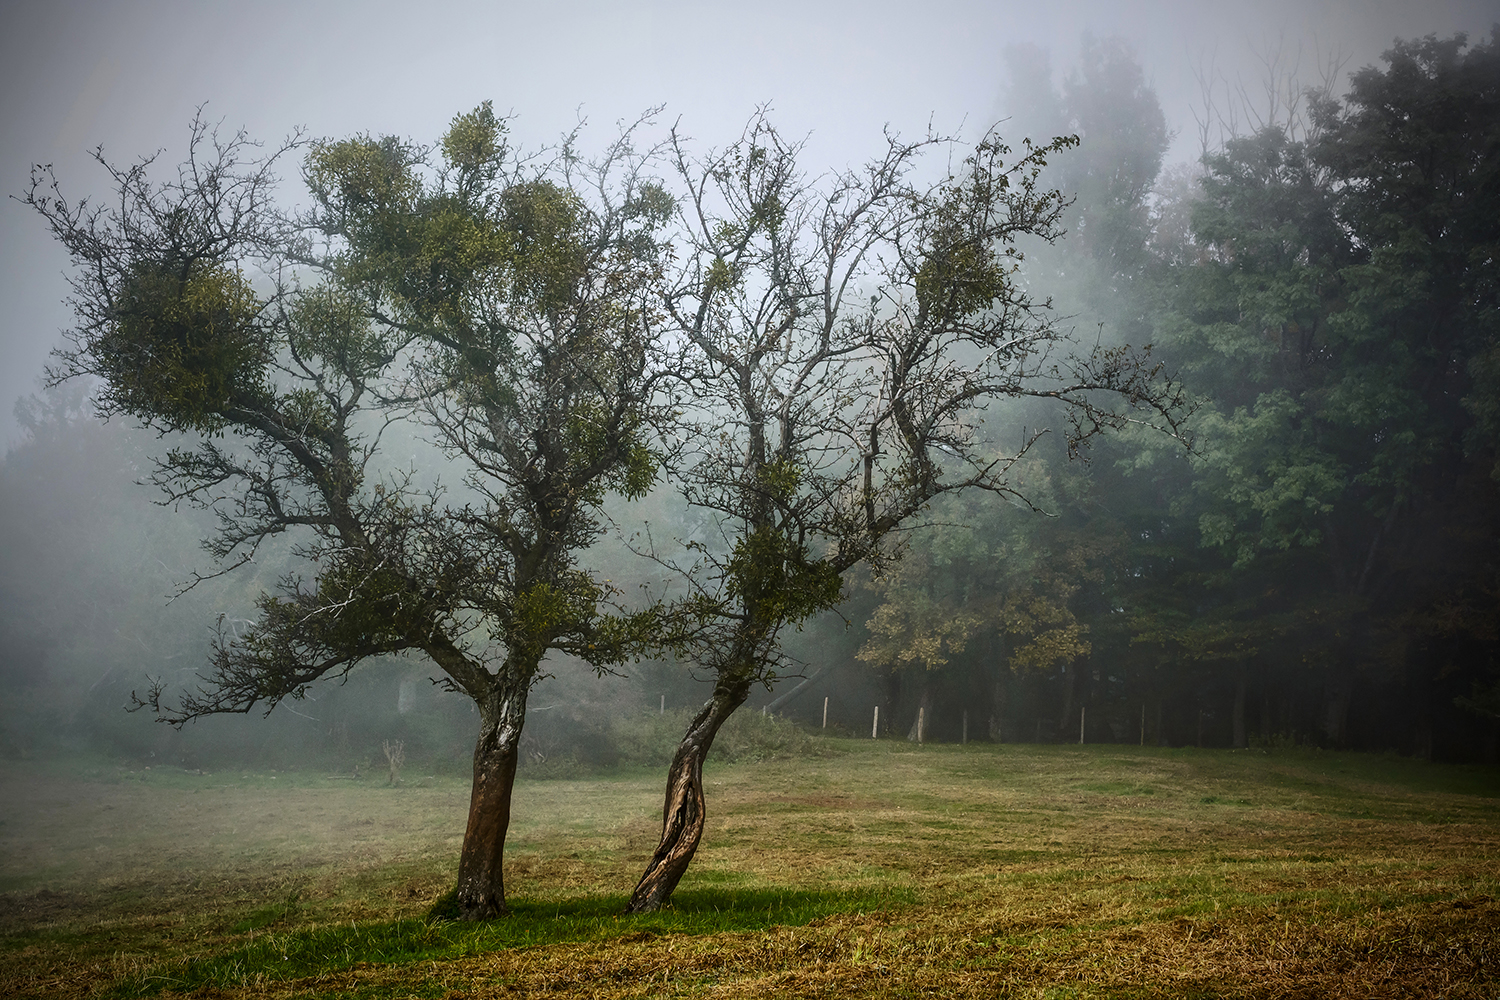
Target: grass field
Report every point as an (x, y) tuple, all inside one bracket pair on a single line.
[(878, 869)]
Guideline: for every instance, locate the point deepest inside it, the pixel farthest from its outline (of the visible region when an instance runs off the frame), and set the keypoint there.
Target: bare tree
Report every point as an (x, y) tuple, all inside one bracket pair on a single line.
[(1279, 99), (848, 336)]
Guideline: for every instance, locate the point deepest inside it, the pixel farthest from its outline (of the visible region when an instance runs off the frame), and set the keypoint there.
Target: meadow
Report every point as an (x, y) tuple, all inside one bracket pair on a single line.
[(866, 868)]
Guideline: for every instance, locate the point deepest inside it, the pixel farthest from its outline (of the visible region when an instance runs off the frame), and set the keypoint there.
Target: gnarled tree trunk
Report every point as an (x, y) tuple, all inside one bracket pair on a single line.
[(683, 811), (481, 881)]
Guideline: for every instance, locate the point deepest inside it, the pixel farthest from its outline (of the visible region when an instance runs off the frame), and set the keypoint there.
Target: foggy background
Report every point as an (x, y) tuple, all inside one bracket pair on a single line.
[(128, 76)]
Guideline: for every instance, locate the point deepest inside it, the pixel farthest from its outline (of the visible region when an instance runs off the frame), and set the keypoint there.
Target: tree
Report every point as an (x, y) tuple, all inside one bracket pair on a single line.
[(992, 599), (1340, 313), (849, 335), (1109, 105), (496, 301), (1038, 607), (1123, 136)]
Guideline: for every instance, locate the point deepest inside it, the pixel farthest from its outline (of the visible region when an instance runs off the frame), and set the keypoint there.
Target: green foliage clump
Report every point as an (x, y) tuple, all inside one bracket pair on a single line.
[(544, 221), (475, 143), (373, 606), (183, 341), (772, 571), (362, 174), (590, 439)]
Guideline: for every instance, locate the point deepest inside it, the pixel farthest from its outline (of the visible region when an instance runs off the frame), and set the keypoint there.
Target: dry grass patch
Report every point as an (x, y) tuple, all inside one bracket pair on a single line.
[(1011, 871)]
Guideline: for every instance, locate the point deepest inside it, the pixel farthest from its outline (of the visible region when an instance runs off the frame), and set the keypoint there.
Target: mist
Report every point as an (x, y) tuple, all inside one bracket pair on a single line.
[(91, 560), (1299, 557)]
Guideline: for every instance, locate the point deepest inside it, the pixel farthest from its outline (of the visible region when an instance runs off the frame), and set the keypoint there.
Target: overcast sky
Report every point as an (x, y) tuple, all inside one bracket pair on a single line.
[(128, 75)]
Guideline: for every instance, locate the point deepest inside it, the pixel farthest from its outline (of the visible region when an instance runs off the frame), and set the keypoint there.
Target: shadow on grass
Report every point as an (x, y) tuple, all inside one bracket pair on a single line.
[(298, 953)]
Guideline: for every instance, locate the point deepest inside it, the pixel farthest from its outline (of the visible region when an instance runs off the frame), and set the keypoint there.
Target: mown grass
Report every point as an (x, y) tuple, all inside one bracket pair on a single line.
[(532, 923), (876, 869)]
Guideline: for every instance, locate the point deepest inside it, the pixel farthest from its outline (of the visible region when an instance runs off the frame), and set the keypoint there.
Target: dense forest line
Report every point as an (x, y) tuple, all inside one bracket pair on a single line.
[(1322, 568)]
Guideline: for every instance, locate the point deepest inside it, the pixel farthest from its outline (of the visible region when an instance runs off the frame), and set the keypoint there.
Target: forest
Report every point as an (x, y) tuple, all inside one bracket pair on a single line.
[(1062, 447), (1321, 567)]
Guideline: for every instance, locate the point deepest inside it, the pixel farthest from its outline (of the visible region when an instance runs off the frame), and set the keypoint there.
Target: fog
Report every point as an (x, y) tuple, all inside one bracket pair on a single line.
[(91, 561), (128, 76)]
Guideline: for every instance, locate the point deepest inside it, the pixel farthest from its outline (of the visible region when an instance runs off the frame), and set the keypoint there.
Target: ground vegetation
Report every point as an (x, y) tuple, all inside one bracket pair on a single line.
[(877, 868)]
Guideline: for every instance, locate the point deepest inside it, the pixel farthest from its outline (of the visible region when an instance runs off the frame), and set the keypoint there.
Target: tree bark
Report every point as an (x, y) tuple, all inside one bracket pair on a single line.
[(1339, 690), (684, 810), (481, 879), (1070, 686), (999, 703), (1241, 686), (999, 691), (922, 723)]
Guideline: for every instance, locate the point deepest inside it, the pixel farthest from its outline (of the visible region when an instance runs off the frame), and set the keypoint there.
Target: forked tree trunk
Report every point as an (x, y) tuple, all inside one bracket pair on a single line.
[(683, 811), (481, 881)]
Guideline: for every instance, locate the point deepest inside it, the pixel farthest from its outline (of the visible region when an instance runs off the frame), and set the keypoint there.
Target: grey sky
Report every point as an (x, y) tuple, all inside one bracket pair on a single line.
[(128, 74)]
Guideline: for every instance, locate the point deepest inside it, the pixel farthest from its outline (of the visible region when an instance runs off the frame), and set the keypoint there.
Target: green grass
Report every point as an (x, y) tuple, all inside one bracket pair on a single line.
[(870, 868), (531, 923)]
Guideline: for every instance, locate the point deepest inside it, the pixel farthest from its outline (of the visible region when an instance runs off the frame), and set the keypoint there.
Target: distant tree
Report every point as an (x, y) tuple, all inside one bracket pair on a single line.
[(504, 304), (1110, 106), (1123, 135), (1341, 314), (1035, 616), (850, 334), (991, 595), (83, 565)]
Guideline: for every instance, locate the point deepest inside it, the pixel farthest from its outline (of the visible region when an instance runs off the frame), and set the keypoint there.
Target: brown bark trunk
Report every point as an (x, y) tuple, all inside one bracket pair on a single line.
[(683, 812), (1070, 689), (1340, 688), (1241, 686), (481, 881), (998, 706), (923, 721)]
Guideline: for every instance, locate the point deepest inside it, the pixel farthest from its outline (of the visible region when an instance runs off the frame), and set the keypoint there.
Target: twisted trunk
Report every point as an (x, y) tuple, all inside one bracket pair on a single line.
[(683, 812), (481, 881)]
